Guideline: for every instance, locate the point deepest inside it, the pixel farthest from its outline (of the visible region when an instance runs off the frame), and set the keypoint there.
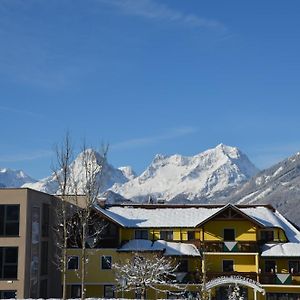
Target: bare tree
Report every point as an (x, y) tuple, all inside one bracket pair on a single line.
[(143, 272), (78, 226), (61, 170), (89, 225)]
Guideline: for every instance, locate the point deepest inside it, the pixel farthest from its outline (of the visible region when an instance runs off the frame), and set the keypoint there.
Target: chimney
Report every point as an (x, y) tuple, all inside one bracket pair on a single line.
[(101, 202)]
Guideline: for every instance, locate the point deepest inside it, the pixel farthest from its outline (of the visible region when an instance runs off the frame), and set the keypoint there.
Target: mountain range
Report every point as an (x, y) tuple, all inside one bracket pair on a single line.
[(278, 185), (107, 177), (14, 178), (201, 177), (219, 175)]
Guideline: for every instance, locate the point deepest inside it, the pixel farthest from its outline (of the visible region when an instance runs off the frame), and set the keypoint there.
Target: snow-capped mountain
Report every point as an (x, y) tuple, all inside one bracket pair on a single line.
[(14, 178), (128, 172), (278, 186), (199, 177), (107, 177)]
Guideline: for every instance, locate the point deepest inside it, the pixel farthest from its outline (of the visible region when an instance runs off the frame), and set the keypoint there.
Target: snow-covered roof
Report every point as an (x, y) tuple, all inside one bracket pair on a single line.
[(169, 248), (172, 217), (281, 250), (270, 218), (135, 217)]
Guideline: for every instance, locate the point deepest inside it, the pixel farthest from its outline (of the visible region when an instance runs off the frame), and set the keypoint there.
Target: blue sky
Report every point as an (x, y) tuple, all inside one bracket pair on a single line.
[(147, 77)]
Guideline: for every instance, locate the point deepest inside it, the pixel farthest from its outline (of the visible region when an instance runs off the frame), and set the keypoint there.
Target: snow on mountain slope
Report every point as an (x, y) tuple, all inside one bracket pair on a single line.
[(128, 172), (196, 177), (14, 178), (107, 178), (278, 185)]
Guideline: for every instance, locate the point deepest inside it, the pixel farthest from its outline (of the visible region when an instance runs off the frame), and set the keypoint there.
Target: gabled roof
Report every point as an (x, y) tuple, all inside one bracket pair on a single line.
[(237, 210), (167, 216), (162, 217)]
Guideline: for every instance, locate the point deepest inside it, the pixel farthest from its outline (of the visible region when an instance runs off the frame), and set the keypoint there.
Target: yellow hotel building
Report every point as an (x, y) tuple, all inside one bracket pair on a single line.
[(252, 245)]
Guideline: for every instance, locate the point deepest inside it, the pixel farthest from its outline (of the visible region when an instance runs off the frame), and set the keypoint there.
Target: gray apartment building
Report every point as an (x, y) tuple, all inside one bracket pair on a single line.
[(27, 245)]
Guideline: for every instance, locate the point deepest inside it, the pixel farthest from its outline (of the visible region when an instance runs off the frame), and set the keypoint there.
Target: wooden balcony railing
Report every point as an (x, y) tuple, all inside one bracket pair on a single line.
[(280, 279), (250, 247)]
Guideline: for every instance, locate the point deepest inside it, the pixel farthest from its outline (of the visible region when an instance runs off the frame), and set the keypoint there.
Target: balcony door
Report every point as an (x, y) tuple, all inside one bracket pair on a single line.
[(229, 234)]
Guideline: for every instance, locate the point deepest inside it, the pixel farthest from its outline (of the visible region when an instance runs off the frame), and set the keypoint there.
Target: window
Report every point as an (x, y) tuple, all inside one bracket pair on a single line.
[(191, 235), (8, 294), (8, 262), (73, 263), (141, 234), (45, 219), (183, 266), (44, 258), (109, 291), (270, 266), (9, 220), (229, 235), (227, 265), (267, 235), (294, 266), (106, 262), (75, 291), (166, 235)]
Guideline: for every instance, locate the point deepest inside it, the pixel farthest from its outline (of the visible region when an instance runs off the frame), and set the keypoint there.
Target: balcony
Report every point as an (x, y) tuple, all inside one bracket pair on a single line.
[(279, 278), (235, 247)]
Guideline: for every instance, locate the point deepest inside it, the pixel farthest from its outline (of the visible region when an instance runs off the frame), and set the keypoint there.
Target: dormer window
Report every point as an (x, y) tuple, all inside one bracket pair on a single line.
[(267, 235)]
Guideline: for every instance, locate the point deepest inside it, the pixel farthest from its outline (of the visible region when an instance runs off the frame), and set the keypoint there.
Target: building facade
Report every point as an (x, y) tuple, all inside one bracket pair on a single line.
[(222, 245), (27, 268)]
